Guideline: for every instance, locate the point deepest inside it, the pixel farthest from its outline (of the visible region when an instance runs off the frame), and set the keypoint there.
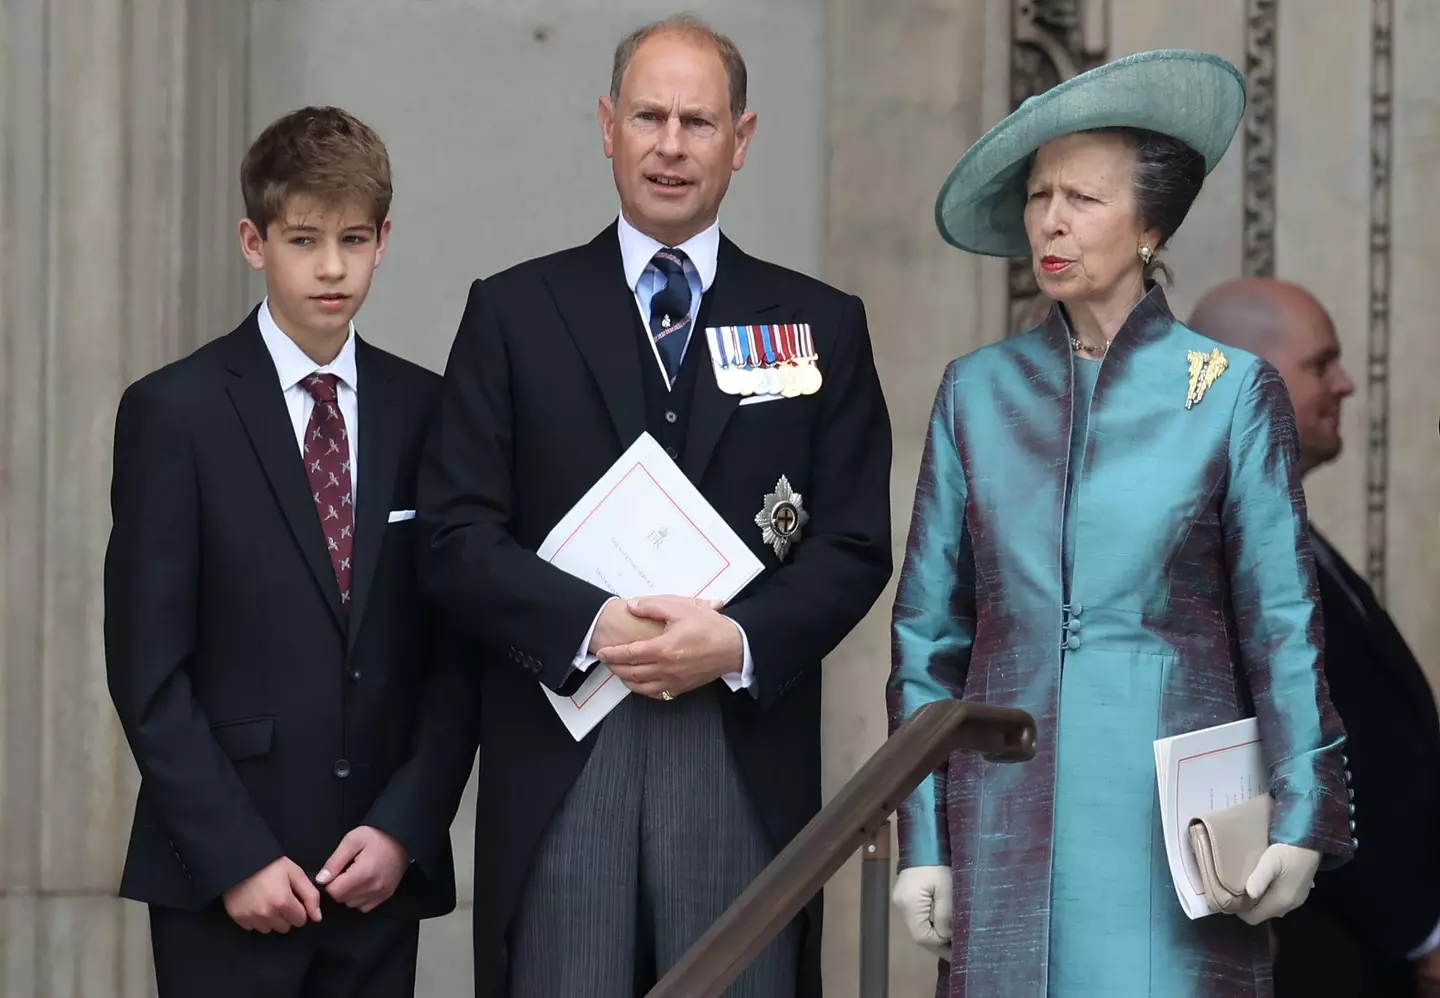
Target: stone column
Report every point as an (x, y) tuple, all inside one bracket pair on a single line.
[(1411, 248), (911, 83), (119, 144)]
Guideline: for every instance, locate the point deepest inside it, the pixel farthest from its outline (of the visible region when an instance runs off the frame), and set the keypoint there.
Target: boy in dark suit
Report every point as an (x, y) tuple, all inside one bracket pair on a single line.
[(302, 727)]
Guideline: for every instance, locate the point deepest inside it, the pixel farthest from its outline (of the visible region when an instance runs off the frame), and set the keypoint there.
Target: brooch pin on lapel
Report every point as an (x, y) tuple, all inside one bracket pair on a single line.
[(781, 518), (1204, 369)]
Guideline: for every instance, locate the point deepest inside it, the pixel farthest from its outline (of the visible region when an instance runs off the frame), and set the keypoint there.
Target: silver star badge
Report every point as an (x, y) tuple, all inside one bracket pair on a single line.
[(781, 518)]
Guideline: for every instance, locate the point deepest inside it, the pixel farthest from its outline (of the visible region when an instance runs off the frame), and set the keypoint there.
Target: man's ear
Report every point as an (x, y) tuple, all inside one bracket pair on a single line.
[(606, 116), (744, 132)]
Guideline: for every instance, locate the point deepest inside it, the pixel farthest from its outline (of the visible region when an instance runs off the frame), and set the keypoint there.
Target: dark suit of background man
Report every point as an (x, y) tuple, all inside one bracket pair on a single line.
[(599, 862), (1371, 928), (294, 715)]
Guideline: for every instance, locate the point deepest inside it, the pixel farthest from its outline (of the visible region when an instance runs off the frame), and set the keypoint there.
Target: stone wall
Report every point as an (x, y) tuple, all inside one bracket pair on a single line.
[(121, 123)]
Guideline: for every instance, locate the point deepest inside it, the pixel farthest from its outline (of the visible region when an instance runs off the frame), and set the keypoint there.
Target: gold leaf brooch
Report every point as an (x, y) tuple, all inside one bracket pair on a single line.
[(1204, 369)]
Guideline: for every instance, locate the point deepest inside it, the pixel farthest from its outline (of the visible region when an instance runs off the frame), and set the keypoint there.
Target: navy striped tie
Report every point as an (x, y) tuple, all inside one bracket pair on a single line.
[(670, 309)]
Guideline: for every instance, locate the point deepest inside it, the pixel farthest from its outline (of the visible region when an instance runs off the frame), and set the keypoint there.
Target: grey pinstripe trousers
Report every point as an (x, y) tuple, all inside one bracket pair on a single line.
[(654, 840)]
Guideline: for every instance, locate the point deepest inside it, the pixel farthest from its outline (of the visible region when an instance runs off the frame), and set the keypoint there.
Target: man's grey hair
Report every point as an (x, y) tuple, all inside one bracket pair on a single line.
[(695, 29)]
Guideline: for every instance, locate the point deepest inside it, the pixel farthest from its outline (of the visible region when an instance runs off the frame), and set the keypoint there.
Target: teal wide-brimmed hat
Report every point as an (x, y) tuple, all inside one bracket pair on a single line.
[(1195, 97)]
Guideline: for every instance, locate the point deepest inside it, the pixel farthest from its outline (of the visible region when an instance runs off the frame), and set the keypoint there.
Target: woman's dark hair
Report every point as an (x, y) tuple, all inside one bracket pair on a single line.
[(1168, 178)]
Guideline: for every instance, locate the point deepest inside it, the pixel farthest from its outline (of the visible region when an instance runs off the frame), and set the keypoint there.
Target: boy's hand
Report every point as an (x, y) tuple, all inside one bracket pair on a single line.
[(275, 899), (365, 869), (1427, 972)]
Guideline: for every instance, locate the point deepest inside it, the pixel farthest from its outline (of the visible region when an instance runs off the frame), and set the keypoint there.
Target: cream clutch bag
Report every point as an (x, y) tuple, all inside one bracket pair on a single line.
[(1227, 846)]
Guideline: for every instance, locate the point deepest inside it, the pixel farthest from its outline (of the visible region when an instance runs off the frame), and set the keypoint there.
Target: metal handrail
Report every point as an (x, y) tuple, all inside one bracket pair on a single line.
[(854, 818)]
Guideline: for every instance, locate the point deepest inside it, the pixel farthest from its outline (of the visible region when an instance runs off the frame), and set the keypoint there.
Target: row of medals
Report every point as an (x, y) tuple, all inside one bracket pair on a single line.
[(790, 378)]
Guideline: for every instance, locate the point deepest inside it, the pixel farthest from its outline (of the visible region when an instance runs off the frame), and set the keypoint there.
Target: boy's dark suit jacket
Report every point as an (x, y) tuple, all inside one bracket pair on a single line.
[(265, 720), (543, 395)]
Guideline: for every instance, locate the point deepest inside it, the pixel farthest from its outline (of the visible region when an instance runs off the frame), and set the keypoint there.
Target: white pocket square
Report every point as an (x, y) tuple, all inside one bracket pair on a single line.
[(396, 515), (757, 399)]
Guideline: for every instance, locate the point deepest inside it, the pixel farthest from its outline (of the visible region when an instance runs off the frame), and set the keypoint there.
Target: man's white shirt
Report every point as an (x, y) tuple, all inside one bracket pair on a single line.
[(702, 252)]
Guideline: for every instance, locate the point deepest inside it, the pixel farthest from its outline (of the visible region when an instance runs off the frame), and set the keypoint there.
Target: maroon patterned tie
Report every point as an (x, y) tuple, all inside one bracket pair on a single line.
[(327, 462)]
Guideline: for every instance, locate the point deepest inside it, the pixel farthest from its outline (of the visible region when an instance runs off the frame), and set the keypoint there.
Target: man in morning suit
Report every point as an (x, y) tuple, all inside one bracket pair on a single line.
[(600, 862), (297, 715), (1371, 928)]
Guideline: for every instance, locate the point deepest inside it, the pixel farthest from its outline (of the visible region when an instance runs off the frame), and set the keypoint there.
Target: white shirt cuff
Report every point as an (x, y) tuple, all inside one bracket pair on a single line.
[(1431, 943), (583, 659), (745, 678), (737, 681)]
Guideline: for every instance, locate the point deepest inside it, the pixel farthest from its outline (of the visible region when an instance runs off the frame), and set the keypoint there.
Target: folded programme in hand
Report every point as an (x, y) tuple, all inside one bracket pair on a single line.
[(1215, 813)]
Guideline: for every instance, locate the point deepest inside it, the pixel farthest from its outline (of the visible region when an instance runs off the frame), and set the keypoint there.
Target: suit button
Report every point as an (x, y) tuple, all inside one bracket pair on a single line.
[(1072, 642), (1347, 776), (354, 675), (670, 416), (674, 454), (1354, 843), (1352, 825), (342, 768)]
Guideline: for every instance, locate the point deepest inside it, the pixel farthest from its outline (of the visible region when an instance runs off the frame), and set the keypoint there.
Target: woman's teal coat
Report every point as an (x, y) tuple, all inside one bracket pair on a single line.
[(1193, 602)]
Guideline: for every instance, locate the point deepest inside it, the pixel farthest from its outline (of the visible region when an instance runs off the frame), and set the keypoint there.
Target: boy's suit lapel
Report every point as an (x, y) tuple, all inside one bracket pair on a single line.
[(380, 435), (254, 388)]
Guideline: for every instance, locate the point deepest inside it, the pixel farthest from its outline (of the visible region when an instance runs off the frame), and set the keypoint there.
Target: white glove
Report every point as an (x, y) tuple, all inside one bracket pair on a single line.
[(922, 895), (1281, 881)]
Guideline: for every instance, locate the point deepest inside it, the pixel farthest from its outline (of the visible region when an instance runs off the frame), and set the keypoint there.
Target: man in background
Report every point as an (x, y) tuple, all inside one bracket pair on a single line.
[(1371, 927)]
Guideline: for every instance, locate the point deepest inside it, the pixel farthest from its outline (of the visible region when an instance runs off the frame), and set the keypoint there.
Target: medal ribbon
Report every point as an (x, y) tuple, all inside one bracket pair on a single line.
[(752, 349), (722, 354), (770, 356)]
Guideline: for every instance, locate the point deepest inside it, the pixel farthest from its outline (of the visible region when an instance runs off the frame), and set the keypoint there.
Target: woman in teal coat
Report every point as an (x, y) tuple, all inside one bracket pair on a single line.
[(1109, 532)]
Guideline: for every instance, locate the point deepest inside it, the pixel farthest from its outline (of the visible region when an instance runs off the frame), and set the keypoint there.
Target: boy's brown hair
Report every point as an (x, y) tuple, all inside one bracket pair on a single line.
[(322, 152)]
